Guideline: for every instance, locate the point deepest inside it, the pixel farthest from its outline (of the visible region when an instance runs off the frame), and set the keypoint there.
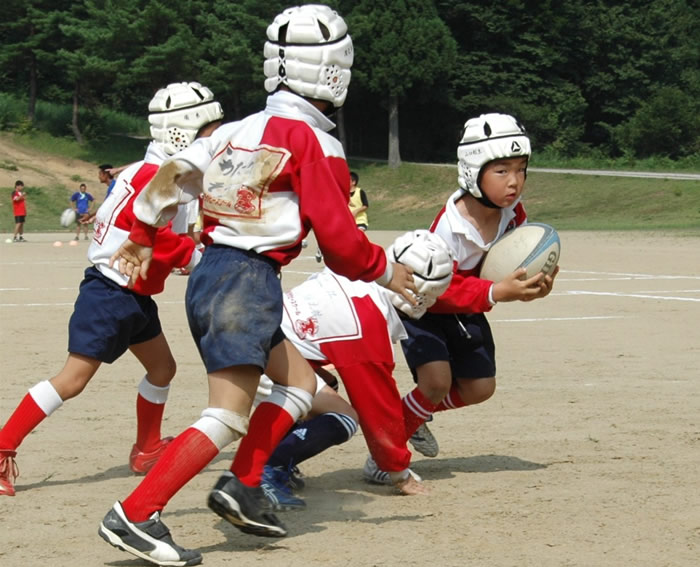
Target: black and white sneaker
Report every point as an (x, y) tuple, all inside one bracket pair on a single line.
[(245, 507), (149, 540)]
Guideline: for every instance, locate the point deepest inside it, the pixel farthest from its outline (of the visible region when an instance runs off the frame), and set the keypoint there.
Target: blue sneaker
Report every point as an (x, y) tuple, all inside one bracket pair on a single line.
[(276, 487)]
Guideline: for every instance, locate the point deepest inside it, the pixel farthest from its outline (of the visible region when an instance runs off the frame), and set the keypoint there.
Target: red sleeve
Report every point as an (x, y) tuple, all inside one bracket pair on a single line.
[(142, 233), (467, 294), (324, 193), (170, 251)]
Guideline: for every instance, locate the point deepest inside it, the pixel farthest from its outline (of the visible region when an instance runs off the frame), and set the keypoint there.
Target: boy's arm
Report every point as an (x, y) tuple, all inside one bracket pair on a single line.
[(153, 208)]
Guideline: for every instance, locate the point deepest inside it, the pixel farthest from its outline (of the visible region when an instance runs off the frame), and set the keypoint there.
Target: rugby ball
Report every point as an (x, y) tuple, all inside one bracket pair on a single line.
[(68, 217), (534, 246)]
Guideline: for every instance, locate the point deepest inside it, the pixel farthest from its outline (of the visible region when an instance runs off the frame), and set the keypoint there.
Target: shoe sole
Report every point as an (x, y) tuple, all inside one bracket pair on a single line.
[(227, 508), (425, 451), (115, 541)]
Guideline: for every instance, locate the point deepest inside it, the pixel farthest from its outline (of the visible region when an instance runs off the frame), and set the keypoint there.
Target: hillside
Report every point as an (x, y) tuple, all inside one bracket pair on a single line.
[(400, 199)]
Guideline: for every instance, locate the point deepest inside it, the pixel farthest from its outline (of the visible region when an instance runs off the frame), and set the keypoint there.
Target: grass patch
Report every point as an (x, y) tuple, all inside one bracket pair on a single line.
[(411, 196), (114, 149)]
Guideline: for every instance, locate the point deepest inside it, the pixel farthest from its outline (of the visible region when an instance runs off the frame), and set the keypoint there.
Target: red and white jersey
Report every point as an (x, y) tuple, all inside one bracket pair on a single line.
[(467, 292), (266, 181), (114, 220), (323, 310)]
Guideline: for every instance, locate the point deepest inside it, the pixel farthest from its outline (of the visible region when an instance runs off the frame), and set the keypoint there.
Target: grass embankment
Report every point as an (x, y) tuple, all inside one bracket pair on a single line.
[(410, 196)]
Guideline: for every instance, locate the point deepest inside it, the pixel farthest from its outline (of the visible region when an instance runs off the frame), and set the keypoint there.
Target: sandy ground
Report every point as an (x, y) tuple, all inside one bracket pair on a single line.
[(587, 455)]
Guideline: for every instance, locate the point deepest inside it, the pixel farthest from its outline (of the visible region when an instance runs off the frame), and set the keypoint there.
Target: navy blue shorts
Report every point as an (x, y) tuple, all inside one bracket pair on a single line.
[(108, 318), (234, 307), (465, 341)]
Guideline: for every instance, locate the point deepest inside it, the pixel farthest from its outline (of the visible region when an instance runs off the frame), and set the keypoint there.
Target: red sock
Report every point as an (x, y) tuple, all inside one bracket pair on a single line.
[(416, 409), (268, 426), (22, 422), (451, 401), (184, 458), (149, 416)]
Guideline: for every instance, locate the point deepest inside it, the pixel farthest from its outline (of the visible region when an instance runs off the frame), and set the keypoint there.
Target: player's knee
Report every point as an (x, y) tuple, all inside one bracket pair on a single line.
[(476, 391), (163, 373), (296, 401), (222, 426)]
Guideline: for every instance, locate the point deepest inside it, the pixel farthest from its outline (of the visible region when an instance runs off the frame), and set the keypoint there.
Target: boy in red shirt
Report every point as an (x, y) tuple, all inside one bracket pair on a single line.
[(19, 210)]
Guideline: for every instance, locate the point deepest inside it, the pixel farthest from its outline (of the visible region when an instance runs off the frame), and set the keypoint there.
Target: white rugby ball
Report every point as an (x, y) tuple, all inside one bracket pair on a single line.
[(68, 217), (534, 246)]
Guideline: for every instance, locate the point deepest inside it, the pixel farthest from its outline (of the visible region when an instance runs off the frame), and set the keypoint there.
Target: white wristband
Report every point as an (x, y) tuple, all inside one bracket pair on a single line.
[(385, 278), (492, 301)]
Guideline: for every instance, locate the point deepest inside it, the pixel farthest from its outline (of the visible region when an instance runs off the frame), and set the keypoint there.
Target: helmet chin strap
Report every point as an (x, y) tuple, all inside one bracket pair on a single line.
[(484, 200)]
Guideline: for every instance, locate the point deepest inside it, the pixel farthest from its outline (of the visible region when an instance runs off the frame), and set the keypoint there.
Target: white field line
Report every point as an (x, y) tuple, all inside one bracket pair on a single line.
[(635, 295)]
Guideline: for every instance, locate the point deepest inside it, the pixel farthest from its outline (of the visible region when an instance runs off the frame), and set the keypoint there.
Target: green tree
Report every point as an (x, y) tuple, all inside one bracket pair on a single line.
[(400, 46), (231, 63), (28, 54)]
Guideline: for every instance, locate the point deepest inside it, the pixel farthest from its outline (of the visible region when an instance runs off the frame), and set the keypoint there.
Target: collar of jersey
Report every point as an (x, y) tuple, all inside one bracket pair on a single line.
[(289, 105)]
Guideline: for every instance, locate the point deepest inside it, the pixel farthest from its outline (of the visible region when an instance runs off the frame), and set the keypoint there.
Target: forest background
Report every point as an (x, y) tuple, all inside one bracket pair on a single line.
[(606, 80)]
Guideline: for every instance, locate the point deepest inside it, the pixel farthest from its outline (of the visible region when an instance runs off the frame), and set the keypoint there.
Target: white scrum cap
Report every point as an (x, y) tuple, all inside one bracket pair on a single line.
[(484, 139), (431, 260), (178, 111), (309, 50)]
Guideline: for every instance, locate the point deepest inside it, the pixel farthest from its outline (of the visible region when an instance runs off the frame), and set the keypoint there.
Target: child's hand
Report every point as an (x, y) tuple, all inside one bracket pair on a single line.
[(402, 283), (513, 288), (132, 260)]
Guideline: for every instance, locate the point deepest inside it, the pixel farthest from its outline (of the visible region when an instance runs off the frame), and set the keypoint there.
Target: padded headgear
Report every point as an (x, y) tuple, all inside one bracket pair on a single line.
[(484, 139), (309, 50), (431, 260), (178, 111)]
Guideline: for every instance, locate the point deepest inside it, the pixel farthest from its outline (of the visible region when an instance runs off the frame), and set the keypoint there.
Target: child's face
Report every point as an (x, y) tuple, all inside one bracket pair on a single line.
[(503, 180)]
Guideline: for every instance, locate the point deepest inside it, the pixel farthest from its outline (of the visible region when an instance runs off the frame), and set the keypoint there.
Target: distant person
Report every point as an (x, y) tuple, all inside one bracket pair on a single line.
[(105, 173), (83, 202), (358, 207), (359, 203), (19, 209)]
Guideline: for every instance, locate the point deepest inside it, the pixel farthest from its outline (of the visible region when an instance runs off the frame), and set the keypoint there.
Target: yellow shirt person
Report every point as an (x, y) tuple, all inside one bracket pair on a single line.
[(358, 203)]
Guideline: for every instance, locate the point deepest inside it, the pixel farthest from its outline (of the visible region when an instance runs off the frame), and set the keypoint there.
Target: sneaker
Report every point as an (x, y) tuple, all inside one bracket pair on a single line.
[(86, 237), (304, 243), (245, 507), (374, 475), (141, 462), (149, 540), (424, 442), (276, 488), (319, 256), (294, 480), (9, 471), (77, 238)]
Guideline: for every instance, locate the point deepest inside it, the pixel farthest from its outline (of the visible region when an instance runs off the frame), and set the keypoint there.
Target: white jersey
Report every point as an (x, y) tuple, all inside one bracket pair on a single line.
[(320, 310), (115, 218)]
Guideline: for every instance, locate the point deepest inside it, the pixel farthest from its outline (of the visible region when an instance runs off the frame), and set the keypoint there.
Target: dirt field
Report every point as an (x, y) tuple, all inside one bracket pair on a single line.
[(588, 454)]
